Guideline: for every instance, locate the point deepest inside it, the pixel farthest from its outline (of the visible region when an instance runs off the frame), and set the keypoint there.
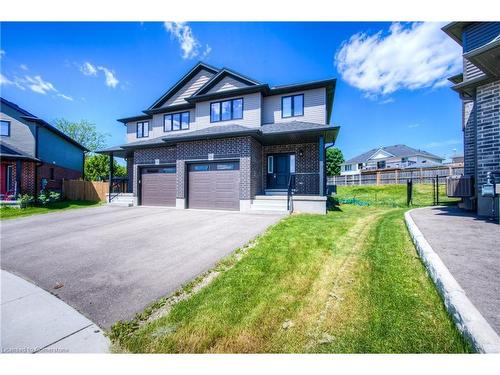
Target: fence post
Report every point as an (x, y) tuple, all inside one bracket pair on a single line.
[(420, 175), (437, 190), (378, 178), (396, 171)]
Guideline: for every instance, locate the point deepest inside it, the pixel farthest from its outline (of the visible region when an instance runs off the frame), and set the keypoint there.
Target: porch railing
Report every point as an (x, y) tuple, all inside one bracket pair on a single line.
[(118, 186)]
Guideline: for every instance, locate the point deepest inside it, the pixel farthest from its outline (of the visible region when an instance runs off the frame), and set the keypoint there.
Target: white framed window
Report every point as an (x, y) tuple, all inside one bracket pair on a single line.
[(270, 166), (292, 163), (347, 167)]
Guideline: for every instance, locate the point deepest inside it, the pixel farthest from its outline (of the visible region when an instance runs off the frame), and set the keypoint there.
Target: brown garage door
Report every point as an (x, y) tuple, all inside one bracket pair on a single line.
[(158, 186), (214, 186)]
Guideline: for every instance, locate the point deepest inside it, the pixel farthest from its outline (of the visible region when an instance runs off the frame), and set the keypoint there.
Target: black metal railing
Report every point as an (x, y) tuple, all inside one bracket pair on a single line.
[(290, 191), (117, 187)]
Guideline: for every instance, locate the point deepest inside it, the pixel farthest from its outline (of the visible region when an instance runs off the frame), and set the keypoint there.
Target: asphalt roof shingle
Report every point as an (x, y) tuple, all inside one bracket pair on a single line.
[(396, 150)]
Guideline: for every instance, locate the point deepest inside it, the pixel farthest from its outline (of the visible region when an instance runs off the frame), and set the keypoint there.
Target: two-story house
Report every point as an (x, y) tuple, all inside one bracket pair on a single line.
[(390, 157), (479, 88), (34, 154), (220, 140)]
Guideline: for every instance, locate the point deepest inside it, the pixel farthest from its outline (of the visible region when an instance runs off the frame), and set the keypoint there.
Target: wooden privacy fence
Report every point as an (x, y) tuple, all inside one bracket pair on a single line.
[(395, 176), (85, 190)]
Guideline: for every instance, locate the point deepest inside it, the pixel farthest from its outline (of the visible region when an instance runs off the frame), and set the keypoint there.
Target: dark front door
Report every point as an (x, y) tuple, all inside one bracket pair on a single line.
[(281, 172)]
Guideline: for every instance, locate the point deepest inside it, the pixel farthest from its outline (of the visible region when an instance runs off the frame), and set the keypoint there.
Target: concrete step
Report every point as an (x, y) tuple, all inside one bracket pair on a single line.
[(276, 192), (269, 203), (263, 203), (121, 204)]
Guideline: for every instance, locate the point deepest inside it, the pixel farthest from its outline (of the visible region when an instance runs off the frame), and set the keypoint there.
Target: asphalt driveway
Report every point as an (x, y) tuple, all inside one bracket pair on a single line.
[(114, 261)]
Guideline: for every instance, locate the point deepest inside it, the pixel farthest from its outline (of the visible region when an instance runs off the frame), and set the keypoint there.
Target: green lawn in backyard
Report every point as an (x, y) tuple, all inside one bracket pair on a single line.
[(392, 195), (12, 213), (346, 282)]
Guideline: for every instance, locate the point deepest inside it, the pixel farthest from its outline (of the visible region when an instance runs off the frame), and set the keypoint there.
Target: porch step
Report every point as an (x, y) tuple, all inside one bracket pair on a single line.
[(269, 203), (122, 199), (277, 192)]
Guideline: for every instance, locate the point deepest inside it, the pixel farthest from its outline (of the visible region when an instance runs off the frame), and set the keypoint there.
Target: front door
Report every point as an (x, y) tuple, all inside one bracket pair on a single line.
[(280, 168)]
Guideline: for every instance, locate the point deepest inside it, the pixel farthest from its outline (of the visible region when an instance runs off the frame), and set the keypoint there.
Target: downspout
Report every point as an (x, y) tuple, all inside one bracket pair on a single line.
[(326, 175)]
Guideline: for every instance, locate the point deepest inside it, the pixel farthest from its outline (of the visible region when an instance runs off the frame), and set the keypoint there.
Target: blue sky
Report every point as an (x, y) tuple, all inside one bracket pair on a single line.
[(391, 84)]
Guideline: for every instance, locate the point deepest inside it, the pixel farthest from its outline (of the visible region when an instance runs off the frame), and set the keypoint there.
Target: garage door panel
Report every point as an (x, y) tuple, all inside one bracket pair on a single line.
[(158, 189), (214, 186)]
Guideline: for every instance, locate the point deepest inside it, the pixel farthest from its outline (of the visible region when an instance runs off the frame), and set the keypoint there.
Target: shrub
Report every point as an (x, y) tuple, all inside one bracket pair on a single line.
[(46, 196), (25, 200)]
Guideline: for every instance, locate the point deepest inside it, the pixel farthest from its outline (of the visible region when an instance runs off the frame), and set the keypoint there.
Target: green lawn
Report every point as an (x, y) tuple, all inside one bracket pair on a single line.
[(347, 282), (391, 195), (12, 213)]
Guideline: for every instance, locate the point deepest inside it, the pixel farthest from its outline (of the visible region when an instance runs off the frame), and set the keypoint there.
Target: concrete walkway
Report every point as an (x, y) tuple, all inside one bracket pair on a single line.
[(35, 321), (470, 248)]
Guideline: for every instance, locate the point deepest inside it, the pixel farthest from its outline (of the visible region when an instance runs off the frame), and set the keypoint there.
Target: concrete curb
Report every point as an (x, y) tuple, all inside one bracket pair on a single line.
[(467, 318)]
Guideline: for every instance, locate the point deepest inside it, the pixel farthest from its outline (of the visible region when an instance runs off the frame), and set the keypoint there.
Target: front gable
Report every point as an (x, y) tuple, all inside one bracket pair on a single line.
[(186, 86), (380, 154), (226, 80), (193, 85)]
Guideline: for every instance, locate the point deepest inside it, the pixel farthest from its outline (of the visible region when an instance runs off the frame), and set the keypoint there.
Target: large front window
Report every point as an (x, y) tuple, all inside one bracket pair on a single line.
[(292, 105), (5, 128), (226, 110), (142, 129), (176, 121)]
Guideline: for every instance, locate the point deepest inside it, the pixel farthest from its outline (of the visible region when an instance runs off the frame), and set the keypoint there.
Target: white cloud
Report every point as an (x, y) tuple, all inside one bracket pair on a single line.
[(448, 142), (190, 46), (37, 84), (413, 126), (65, 97), (111, 80), (414, 56), (4, 80), (88, 69), (24, 67), (2, 53)]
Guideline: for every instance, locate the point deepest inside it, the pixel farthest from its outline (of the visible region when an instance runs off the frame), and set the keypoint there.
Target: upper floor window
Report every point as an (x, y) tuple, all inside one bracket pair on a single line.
[(348, 167), (381, 164), (176, 121), (292, 105), (5, 128), (226, 110), (142, 129)]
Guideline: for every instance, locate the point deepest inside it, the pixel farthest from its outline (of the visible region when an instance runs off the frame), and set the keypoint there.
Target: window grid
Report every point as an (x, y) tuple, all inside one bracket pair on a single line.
[(176, 121), (217, 115)]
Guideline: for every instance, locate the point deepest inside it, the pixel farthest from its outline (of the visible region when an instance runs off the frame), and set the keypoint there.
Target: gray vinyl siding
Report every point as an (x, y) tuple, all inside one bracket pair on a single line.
[(22, 134), (471, 71), (252, 104), (314, 107), (226, 84), (479, 34), (189, 89)]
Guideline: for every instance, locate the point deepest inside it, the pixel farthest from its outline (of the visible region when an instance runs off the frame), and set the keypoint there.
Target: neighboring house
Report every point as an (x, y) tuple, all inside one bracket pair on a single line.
[(34, 153), (479, 89), (390, 157), (220, 140)]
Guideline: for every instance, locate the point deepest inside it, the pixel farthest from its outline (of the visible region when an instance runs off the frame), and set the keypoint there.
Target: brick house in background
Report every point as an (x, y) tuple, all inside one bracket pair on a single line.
[(479, 89), (32, 150), (220, 140)]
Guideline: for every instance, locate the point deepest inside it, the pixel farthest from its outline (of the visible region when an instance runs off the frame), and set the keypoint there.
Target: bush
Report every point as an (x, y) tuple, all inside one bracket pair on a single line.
[(25, 200), (46, 196)]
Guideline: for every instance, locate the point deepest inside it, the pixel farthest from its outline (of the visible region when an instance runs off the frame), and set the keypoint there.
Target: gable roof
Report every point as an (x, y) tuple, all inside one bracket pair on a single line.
[(396, 150), (189, 75), (253, 86), (223, 73), (30, 117), (9, 152)]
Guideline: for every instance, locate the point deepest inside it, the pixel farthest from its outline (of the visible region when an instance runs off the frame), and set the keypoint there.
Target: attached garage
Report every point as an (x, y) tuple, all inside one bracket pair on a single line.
[(158, 186), (214, 185)]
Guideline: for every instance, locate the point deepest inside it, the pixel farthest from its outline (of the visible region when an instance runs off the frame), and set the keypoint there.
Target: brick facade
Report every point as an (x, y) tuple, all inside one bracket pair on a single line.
[(306, 165), (469, 129), (26, 185), (488, 130), (60, 174), (250, 153)]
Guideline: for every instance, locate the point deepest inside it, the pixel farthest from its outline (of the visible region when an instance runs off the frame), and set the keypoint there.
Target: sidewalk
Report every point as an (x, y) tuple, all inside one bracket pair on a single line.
[(35, 321)]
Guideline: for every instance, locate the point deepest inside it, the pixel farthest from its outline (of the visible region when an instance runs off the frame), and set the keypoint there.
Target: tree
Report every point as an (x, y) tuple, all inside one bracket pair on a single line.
[(84, 132), (334, 158), (97, 168)]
